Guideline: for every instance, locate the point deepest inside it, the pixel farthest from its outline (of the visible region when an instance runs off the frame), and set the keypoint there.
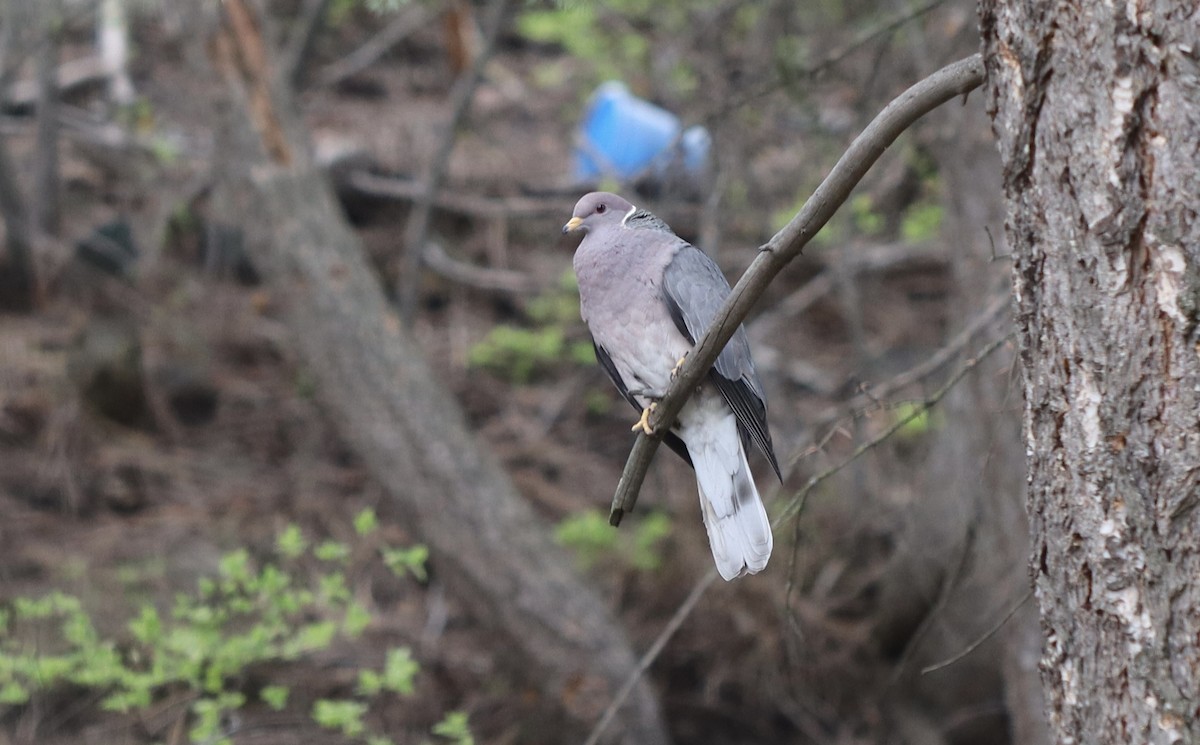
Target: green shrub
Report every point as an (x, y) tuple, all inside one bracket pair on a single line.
[(519, 354), (246, 614), (592, 539)]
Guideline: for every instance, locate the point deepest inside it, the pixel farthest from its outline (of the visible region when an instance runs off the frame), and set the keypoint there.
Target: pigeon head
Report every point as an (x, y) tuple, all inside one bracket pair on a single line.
[(596, 210)]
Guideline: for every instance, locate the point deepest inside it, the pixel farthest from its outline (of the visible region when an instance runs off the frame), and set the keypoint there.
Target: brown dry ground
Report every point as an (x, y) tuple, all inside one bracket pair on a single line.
[(117, 514)]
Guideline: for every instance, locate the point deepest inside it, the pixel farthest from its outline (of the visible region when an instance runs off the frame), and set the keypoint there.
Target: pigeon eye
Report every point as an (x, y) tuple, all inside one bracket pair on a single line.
[(601, 209)]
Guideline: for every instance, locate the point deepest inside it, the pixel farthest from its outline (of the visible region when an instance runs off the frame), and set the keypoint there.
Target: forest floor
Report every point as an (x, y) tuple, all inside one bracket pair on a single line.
[(228, 446)]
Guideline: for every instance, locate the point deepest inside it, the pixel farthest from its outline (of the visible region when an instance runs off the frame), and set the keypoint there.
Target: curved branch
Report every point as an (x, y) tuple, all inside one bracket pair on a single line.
[(953, 80)]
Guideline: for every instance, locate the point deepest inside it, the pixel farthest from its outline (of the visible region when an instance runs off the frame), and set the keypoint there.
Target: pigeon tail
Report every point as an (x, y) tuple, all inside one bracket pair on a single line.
[(739, 532)]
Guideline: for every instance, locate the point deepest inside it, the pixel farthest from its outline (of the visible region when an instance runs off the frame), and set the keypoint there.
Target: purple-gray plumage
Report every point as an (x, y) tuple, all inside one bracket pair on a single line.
[(647, 295)]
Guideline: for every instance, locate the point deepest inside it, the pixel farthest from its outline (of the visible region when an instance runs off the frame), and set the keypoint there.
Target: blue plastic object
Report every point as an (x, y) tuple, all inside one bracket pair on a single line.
[(623, 136)]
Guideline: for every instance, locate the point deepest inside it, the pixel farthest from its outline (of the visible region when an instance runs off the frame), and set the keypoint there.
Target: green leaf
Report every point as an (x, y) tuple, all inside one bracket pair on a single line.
[(365, 522), (400, 670), (588, 534), (401, 560), (314, 636), (275, 697), (332, 551), (583, 353), (290, 542), (208, 714), (13, 693), (921, 222), (370, 683), (345, 716), (647, 535), (356, 620), (147, 627), (866, 219), (235, 568), (916, 417), (456, 728), (333, 587)]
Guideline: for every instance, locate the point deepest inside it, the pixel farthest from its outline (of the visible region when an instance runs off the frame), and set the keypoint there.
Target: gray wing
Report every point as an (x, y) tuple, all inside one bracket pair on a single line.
[(670, 439), (694, 289)]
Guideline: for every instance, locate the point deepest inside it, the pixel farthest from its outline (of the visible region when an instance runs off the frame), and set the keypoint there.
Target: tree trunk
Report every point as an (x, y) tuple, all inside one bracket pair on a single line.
[(1097, 111), (486, 543)]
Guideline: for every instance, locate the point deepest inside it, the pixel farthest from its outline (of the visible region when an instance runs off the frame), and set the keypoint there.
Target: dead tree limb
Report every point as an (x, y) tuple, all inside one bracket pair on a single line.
[(17, 278), (479, 277), (953, 80), (46, 180), (298, 49), (407, 20), (922, 369), (486, 543), (113, 40), (417, 230)]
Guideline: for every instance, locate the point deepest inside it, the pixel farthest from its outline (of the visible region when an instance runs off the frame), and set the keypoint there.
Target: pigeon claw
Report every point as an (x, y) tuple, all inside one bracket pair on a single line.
[(644, 422), (679, 364)]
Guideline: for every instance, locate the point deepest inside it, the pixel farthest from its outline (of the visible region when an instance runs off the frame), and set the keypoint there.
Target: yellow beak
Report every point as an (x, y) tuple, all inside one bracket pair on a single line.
[(572, 224)]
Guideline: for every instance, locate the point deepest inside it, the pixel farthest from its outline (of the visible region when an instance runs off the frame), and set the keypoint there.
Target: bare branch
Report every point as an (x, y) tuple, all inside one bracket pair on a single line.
[(481, 278), (417, 230), (467, 204), (681, 613), (17, 276), (796, 503), (46, 172), (298, 50), (986, 635), (406, 21), (925, 367), (952, 80), (70, 76), (949, 582), (113, 40)]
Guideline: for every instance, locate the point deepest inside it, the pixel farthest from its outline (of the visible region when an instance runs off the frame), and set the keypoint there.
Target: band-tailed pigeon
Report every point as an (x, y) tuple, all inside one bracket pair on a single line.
[(647, 295)]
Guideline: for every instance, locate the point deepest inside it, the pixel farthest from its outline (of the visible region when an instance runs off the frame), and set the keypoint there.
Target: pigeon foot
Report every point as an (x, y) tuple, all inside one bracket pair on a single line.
[(644, 422), (679, 364)]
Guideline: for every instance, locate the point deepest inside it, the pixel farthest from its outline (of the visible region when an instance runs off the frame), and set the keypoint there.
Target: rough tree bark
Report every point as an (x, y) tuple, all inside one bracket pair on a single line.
[(1096, 107), (486, 543)]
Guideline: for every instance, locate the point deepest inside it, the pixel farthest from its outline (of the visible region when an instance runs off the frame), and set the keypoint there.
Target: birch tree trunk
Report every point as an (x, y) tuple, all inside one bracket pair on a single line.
[(1096, 107)]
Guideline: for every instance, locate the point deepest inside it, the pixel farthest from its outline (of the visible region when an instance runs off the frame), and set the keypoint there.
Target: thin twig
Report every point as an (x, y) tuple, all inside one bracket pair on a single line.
[(18, 280), (952, 80), (481, 278), (796, 503), (809, 71), (406, 21), (986, 635), (949, 582), (391, 187), (651, 654), (871, 258), (417, 230), (922, 369), (298, 50), (46, 174)]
